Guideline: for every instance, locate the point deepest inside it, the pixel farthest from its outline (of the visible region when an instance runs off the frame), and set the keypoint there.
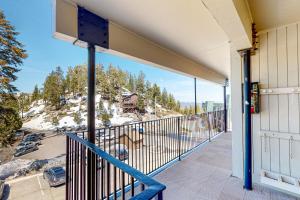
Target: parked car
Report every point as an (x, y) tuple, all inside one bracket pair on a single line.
[(120, 151), (36, 135), (2, 184), (55, 176), (107, 124), (19, 134), (32, 138), (25, 144), (26, 149), (83, 127)]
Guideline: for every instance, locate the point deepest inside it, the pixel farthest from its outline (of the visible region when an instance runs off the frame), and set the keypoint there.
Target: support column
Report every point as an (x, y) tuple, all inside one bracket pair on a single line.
[(91, 122), (225, 106), (195, 86), (247, 119)]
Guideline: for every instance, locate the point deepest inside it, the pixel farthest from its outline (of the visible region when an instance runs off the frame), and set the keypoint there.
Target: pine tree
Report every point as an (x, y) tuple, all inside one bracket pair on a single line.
[(54, 87), (164, 97), (104, 114), (11, 55), (171, 103), (156, 95), (140, 83), (148, 91), (114, 83), (24, 102), (55, 121), (178, 106), (100, 76), (35, 94), (9, 121), (131, 83), (77, 118)]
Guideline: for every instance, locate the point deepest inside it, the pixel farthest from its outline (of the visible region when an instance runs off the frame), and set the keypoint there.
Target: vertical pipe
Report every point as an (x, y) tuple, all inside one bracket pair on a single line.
[(91, 120), (195, 86), (247, 118), (225, 108)]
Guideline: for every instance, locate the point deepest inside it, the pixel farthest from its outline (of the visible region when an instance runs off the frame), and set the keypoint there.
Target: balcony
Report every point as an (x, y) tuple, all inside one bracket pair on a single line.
[(185, 157), (122, 168)]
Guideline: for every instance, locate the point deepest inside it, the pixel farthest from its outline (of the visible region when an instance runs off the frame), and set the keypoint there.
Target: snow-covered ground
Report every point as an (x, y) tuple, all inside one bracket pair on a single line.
[(10, 168), (40, 120)]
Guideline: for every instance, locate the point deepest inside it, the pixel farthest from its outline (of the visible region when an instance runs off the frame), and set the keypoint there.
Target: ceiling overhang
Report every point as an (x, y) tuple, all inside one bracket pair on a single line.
[(235, 18), (193, 38)]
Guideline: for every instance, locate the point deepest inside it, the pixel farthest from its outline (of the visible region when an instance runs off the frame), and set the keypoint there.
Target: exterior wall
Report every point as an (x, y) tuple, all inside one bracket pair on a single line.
[(276, 65), (276, 129)]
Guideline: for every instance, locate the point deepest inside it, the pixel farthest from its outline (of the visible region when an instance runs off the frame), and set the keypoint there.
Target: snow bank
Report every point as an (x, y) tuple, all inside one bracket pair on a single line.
[(39, 123), (67, 121), (10, 168), (34, 110)]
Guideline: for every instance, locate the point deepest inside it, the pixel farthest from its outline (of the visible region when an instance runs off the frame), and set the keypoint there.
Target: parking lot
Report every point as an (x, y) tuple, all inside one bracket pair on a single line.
[(33, 187), (51, 147)]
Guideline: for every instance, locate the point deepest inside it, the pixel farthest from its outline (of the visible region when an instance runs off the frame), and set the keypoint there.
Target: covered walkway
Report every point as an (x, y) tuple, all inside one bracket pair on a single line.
[(206, 175)]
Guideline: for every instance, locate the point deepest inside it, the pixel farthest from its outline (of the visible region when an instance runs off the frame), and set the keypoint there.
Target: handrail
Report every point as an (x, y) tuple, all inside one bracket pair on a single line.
[(163, 118), (154, 187)]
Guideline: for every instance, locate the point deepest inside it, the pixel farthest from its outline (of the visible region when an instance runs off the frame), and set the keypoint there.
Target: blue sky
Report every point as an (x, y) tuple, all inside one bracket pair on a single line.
[(34, 20)]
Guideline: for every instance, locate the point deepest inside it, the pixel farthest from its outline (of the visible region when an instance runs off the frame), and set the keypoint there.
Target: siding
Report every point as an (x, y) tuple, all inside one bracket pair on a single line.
[(276, 65)]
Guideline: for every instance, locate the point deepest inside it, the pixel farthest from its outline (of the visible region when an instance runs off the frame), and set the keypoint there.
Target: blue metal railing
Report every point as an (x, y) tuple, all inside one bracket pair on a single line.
[(108, 170)]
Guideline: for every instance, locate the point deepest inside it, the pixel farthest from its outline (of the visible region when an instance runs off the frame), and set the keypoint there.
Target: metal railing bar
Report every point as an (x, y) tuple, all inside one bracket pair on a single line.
[(153, 187)]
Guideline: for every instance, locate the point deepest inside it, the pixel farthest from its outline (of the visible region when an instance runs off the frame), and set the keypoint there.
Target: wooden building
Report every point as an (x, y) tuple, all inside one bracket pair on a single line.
[(129, 102)]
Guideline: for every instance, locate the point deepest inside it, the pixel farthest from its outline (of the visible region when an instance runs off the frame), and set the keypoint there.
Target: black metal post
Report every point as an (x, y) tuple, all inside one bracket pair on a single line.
[(247, 118), (91, 122), (179, 138), (195, 86), (225, 108)]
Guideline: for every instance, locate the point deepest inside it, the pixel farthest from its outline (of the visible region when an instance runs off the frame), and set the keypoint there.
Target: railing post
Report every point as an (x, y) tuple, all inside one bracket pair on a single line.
[(179, 138), (91, 182), (67, 168), (208, 124), (225, 107), (195, 87), (160, 196)]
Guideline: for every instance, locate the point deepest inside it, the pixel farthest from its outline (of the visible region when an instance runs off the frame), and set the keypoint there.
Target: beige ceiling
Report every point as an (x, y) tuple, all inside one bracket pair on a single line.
[(186, 27), (273, 13)]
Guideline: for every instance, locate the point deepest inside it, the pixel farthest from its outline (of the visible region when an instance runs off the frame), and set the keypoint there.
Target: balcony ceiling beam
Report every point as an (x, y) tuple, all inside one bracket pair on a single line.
[(235, 18)]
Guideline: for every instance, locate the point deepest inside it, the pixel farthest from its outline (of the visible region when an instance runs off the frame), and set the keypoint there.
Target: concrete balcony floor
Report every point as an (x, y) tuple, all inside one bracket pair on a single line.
[(205, 174)]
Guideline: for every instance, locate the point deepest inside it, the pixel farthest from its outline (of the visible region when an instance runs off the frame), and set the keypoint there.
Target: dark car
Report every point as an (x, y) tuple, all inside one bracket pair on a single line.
[(26, 149), (55, 176), (2, 184), (32, 138), (19, 134)]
